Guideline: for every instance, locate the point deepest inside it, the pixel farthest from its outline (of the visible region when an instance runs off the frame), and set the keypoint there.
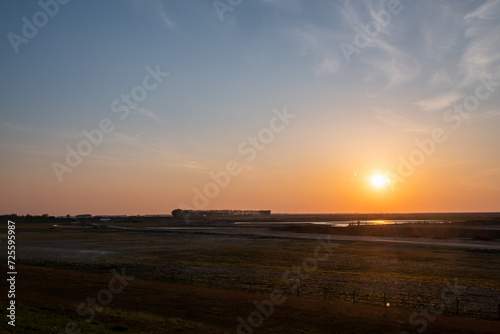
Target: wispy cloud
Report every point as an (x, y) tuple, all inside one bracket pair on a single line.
[(488, 11), (482, 178), (289, 5), (359, 13), (461, 48), (393, 66), (481, 56), (164, 16), (178, 160), (403, 123), (29, 139), (439, 79), (39, 150), (315, 42), (398, 70), (19, 127), (385, 57), (157, 7), (326, 66), (473, 118), (148, 114), (27, 132), (138, 148), (440, 102), (440, 38), (122, 139)]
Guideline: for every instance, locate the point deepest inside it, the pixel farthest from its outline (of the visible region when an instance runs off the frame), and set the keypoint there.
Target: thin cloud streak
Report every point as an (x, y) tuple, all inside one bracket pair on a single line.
[(148, 114), (403, 123), (157, 7), (440, 102)]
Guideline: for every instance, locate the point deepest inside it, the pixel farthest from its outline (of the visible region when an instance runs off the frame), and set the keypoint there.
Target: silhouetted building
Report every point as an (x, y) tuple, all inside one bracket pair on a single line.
[(217, 213), (83, 216)]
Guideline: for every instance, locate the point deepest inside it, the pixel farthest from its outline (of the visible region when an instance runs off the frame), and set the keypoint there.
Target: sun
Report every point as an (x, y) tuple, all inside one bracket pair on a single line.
[(379, 180)]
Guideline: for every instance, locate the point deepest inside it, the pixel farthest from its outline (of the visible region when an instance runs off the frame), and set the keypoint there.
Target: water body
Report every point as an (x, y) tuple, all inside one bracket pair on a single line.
[(345, 223)]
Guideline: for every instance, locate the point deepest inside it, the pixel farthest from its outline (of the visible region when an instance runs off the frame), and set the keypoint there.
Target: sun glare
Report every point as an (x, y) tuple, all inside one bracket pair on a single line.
[(379, 180)]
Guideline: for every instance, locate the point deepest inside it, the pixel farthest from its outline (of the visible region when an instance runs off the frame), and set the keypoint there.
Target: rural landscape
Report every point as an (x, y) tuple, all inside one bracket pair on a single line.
[(250, 166), (213, 274)]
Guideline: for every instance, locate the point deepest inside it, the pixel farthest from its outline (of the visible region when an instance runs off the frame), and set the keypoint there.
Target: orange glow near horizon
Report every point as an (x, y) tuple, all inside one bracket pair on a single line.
[(316, 194), (361, 182)]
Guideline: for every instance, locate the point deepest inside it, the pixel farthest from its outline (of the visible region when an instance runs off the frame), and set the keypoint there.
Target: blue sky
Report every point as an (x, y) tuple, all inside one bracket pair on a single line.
[(225, 78)]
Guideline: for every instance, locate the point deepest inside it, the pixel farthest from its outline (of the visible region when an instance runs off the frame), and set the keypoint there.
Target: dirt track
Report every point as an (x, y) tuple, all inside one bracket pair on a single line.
[(268, 232)]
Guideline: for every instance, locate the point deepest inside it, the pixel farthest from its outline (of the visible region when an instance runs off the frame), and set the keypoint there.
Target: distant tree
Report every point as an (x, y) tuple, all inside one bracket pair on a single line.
[(45, 215), (177, 213)]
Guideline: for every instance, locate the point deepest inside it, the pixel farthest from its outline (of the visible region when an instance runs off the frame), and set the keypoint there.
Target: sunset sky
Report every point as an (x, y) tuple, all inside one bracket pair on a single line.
[(291, 105)]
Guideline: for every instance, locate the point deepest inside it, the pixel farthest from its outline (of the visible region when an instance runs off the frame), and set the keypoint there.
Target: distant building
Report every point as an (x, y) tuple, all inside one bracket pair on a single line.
[(83, 216), (105, 219), (218, 213), (157, 216)]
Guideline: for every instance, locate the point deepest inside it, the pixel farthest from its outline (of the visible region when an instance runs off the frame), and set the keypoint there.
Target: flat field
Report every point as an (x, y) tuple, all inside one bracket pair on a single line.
[(202, 278)]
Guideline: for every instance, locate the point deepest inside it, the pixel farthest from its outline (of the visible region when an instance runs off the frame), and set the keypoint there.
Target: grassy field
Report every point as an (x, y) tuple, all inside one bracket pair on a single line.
[(241, 268), (51, 304)]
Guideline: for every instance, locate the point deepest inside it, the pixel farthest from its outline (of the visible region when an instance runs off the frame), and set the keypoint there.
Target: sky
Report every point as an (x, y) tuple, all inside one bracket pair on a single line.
[(144, 106)]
